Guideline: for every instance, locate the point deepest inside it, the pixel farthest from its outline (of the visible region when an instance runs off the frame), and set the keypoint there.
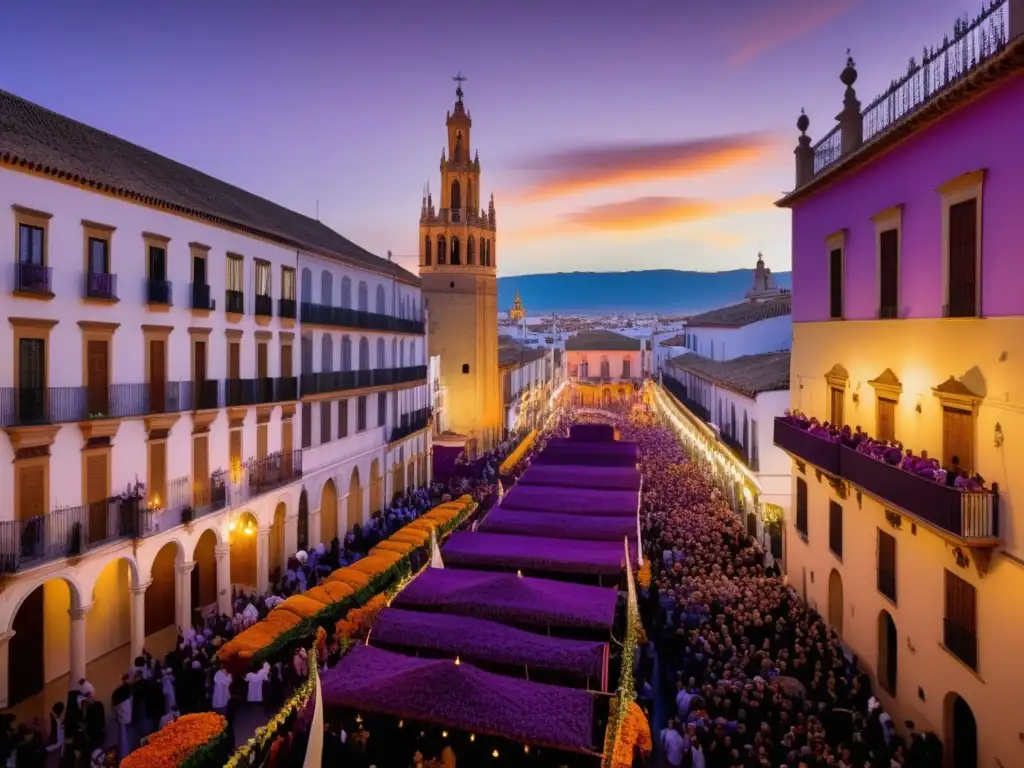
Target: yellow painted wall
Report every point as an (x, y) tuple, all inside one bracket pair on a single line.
[(989, 356), (108, 624), (56, 629)]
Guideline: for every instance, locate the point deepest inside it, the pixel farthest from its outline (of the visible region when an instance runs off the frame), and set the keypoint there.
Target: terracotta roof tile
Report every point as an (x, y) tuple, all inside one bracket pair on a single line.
[(747, 375), (36, 139), (739, 315), (591, 341)]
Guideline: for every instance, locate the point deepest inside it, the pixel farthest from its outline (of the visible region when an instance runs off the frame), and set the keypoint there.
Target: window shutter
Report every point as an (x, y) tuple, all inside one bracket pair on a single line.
[(31, 481), (158, 471), (200, 469)]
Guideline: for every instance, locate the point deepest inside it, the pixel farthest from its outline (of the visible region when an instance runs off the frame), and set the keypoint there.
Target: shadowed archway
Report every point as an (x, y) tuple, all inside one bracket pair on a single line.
[(328, 512), (835, 601), (354, 503)]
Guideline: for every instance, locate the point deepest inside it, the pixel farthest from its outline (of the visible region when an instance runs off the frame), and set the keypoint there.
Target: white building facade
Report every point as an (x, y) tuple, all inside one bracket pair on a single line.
[(165, 439)]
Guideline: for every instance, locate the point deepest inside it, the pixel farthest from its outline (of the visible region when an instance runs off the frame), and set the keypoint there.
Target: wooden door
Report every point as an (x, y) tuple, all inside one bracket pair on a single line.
[(31, 380), (957, 438), (234, 360), (963, 259), (157, 376), (886, 419), (201, 470), (286, 447), (96, 495), (286, 361), (97, 376), (836, 413), (236, 451), (199, 361), (835, 601), (31, 492), (261, 442)]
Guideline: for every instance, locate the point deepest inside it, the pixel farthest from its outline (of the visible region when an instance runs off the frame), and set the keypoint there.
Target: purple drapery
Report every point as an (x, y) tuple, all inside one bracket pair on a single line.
[(533, 553), (589, 528), (570, 476), (572, 501)]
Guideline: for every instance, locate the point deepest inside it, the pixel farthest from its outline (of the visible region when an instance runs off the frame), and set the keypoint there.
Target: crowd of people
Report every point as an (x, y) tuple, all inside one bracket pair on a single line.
[(750, 676), (891, 452)]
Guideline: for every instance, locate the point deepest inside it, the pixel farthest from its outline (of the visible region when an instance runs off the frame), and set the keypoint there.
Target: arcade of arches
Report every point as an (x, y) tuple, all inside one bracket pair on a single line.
[(243, 536), (328, 511), (354, 504)]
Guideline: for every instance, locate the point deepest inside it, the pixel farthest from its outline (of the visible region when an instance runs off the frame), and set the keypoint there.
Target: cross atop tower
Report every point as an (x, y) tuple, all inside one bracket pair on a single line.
[(460, 79)]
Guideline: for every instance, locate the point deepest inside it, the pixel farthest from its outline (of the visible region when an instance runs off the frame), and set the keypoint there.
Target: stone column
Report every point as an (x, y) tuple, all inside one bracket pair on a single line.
[(223, 555), (851, 124), (138, 619), (5, 640), (263, 561), (291, 535), (76, 641), (314, 528), (183, 594)]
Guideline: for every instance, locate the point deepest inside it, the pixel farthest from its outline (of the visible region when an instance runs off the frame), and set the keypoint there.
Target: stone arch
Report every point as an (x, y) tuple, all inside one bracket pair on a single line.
[(306, 285), (328, 512), (835, 601), (456, 196), (36, 643), (888, 653), (162, 592), (456, 251), (375, 487), (276, 541), (108, 624), (326, 288), (382, 354), (364, 296), (243, 536), (442, 250), (354, 502), (381, 306), (302, 538), (346, 292), (427, 247), (960, 733), (471, 251), (204, 574), (364, 354)]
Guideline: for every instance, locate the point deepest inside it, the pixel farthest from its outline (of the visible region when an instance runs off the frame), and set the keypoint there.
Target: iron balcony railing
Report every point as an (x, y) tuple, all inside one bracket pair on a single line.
[(679, 391), (101, 285), (264, 390), (254, 477), (340, 381), (286, 389), (343, 317), (264, 306), (411, 423), (33, 278), (205, 395), (201, 297), (28, 406), (159, 292), (961, 642), (234, 302), (972, 515), (286, 308), (239, 392)]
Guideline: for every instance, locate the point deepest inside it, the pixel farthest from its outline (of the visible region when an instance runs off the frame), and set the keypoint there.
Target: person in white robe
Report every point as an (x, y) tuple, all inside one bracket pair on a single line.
[(167, 687), (221, 689), (255, 681), (172, 714)]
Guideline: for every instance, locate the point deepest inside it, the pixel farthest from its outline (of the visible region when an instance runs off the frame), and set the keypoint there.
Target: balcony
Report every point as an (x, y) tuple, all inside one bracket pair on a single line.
[(101, 285), (254, 477), (264, 390), (234, 302), (239, 392), (339, 381), (680, 393), (965, 515), (159, 292), (36, 406), (342, 317), (264, 306), (286, 308), (824, 454), (201, 297), (961, 642), (205, 395), (410, 424), (286, 389), (33, 279)]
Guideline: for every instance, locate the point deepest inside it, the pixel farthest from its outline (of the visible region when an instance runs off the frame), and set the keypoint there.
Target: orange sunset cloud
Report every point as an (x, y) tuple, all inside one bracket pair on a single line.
[(578, 170), (780, 24)]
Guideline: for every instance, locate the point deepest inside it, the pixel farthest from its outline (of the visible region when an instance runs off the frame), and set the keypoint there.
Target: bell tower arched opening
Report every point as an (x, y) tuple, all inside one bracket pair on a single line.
[(456, 196)]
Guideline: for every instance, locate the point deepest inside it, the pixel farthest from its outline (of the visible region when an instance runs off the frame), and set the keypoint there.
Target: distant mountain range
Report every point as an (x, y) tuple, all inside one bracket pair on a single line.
[(648, 291)]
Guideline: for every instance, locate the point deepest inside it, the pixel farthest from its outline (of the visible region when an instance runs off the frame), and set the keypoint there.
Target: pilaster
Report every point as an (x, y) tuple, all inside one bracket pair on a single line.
[(138, 619), (5, 647), (183, 594), (76, 643), (263, 561), (223, 554)]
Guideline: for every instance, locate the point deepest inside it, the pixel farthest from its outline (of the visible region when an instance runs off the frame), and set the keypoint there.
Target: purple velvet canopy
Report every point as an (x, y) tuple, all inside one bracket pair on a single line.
[(373, 680), (572, 476), (534, 553), (592, 433), (561, 450), (508, 598), (486, 642), (589, 528), (572, 501)]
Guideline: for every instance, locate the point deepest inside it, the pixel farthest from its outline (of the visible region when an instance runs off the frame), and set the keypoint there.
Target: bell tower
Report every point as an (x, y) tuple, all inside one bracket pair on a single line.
[(458, 254)]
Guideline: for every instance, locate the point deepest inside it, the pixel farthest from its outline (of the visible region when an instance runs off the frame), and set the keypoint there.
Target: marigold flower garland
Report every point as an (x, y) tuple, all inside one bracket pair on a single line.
[(182, 742)]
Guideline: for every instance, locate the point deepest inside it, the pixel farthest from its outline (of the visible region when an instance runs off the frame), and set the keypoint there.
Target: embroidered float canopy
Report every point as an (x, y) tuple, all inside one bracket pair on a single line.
[(572, 501), (564, 451), (534, 553), (508, 598), (486, 642), (592, 433), (589, 528), (461, 696), (574, 476)]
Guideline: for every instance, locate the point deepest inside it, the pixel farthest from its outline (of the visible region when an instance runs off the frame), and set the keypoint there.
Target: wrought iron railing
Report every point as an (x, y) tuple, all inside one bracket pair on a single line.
[(286, 308), (264, 306), (254, 477), (411, 423), (339, 381), (201, 297), (159, 291), (240, 392), (33, 278), (101, 285), (234, 302), (343, 317)]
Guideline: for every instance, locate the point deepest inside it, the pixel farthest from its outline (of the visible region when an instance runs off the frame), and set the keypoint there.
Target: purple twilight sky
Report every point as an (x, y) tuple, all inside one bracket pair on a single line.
[(614, 135)]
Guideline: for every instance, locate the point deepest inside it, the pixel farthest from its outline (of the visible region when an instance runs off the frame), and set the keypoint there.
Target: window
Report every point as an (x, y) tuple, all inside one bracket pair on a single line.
[(361, 413), (326, 353), (835, 282), (957, 438), (963, 259), (364, 297), (261, 442), (960, 625), (31, 242), (307, 424), (382, 300), (157, 263), (755, 454), (346, 293), (625, 368), (606, 367), (99, 256), (382, 361), (887, 565), (888, 273), (837, 395), (342, 418), (835, 528), (326, 288), (364, 354), (262, 278), (307, 285), (346, 353), (287, 284), (157, 488), (801, 506), (325, 421), (465, 367), (382, 408), (236, 269), (886, 419), (427, 256)]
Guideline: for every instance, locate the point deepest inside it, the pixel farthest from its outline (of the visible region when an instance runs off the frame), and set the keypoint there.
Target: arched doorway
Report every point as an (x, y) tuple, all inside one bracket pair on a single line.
[(108, 625), (400, 473), (39, 650), (752, 525), (423, 474), (303, 522), (161, 594), (961, 731), (888, 653), (276, 542), (242, 536), (375, 487), (835, 601), (328, 512), (204, 574), (354, 503)]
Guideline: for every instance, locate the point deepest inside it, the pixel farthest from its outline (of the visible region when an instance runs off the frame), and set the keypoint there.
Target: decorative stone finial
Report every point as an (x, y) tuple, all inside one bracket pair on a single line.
[(803, 122), (849, 74)]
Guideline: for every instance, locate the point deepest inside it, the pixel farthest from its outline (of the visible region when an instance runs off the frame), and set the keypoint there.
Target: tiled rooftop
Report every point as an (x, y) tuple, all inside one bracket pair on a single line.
[(748, 375), (592, 341), (739, 315)]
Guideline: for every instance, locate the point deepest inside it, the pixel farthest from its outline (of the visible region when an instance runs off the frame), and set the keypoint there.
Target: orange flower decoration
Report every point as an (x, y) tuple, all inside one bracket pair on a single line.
[(643, 576), (348, 575), (401, 547), (302, 606), (360, 619), (175, 742), (635, 731)]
